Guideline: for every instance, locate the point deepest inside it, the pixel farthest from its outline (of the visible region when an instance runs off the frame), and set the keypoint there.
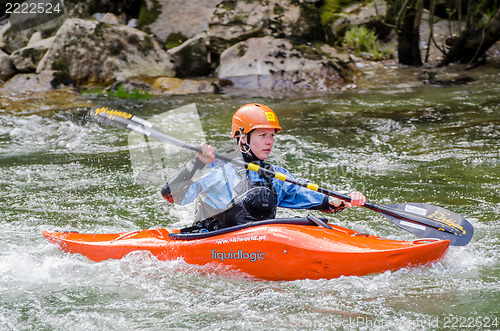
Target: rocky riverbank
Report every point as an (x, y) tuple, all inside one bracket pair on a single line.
[(174, 47)]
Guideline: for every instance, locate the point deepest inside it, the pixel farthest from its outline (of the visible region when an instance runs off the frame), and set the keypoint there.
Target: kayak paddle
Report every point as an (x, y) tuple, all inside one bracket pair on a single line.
[(434, 213), (423, 220)]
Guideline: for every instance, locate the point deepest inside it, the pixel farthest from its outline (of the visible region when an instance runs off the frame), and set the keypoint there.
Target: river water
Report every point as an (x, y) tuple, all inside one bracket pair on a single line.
[(396, 139)]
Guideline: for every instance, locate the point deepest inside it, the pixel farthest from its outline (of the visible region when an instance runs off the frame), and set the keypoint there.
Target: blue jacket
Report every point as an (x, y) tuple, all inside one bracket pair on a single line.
[(216, 186)]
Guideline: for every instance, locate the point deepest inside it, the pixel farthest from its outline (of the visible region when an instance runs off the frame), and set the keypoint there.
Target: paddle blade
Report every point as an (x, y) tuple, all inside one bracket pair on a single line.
[(461, 238), (119, 119)]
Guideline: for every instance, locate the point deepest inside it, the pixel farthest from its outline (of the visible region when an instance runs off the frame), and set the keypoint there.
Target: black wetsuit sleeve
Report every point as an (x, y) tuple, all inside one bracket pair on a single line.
[(326, 207), (176, 187)]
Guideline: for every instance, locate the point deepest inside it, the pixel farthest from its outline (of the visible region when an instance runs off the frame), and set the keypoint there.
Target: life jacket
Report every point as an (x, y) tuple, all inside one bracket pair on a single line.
[(253, 201)]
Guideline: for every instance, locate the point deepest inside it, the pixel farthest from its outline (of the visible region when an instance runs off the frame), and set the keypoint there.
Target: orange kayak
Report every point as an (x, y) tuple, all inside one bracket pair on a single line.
[(286, 249)]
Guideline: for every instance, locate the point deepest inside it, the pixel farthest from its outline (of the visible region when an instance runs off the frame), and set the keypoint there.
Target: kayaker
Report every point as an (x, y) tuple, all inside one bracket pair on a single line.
[(228, 195)]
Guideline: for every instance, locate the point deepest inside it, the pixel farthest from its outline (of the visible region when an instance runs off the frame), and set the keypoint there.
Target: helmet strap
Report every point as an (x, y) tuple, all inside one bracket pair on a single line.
[(248, 138), (245, 149)]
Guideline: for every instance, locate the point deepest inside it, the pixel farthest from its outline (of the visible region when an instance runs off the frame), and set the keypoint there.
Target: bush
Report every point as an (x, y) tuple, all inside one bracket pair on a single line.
[(364, 42), (330, 10), (119, 92)]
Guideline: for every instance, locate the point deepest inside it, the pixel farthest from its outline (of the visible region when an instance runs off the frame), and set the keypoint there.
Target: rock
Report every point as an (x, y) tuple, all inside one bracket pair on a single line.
[(191, 59), (3, 29), (128, 86), (44, 81), (278, 64), (176, 17), (15, 37), (108, 18), (10, 41), (444, 78), (170, 85), (27, 58), (132, 23), (94, 52), (369, 15), (7, 69), (331, 52), (235, 21), (35, 37)]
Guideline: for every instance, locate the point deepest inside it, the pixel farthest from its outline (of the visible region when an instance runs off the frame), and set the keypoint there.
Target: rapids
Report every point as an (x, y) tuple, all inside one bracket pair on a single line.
[(397, 142)]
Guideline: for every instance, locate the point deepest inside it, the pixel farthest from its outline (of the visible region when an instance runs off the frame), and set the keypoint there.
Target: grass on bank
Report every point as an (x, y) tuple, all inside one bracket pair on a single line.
[(364, 42), (120, 92)]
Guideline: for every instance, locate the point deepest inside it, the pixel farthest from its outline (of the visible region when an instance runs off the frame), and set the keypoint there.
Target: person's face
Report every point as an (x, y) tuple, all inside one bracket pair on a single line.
[(261, 142)]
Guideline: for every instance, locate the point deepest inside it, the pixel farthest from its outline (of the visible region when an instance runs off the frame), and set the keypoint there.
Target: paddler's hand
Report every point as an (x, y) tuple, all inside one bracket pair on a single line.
[(337, 205), (208, 153), (358, 199)]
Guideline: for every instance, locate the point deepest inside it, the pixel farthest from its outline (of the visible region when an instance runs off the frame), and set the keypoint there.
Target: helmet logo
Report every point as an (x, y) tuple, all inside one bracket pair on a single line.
[(270, 116)]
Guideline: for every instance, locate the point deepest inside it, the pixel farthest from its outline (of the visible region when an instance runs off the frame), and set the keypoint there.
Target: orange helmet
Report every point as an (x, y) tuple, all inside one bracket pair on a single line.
[(254, 116)]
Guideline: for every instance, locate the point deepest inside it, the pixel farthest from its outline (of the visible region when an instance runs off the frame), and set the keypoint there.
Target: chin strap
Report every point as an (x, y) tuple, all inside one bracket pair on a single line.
[(245, 149)]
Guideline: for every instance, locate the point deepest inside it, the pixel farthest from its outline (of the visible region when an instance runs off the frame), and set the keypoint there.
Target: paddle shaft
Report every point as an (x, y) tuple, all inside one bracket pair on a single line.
[(134, 123)]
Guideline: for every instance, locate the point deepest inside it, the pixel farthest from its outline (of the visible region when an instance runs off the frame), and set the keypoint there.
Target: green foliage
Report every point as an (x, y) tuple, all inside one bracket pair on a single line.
[(120, 92), (364, 42), (174, 40), (278, 10), (488, 14), (135, 94), (147, 16), (330, 9)]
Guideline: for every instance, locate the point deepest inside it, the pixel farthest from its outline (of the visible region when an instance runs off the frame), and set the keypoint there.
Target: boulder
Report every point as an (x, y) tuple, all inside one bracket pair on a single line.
[(27, 58), (14, 38), (7, 69), (35, 37), (164, 18), (279, 64), (3, 29), (370, 15), (44, 81), (10, 41), (192, 57), (93, 52), (235, 21), (108, 18), (174, 86), (17, 36)]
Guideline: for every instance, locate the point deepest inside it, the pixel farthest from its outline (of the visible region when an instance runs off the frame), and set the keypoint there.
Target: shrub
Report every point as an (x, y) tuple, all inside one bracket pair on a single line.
[(360, 40), (330, 9)]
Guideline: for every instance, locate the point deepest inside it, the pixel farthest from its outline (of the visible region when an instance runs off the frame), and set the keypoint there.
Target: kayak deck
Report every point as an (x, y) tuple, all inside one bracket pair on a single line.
[(271, 252)]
